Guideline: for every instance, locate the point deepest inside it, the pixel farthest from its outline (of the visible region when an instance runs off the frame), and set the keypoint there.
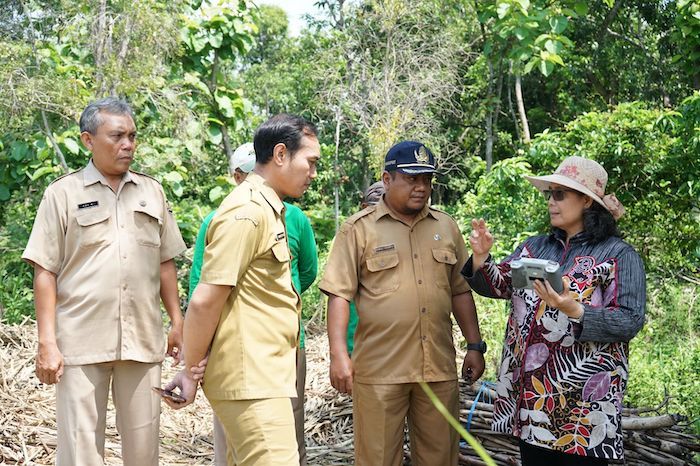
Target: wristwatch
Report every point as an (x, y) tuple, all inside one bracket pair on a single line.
[(481, 346)]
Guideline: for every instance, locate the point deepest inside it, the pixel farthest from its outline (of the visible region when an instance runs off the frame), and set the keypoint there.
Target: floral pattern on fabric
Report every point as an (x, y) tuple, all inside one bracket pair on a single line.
[(554, 391)]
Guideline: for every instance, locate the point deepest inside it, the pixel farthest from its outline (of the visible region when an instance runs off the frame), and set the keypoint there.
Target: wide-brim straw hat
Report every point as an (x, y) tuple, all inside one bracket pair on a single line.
[(585, 176)]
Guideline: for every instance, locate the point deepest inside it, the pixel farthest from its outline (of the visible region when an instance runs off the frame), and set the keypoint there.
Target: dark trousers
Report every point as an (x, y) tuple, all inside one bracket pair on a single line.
[(536, 456)]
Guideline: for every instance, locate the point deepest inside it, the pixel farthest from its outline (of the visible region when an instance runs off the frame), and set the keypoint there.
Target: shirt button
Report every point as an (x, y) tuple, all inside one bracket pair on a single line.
[(381, 264), (420, 282), (415, 256), (424, 310), (124, 286), (424, 338)]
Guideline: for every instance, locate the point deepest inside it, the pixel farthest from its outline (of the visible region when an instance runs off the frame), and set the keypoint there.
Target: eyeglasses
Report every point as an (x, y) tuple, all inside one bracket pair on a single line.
[(557, 194)]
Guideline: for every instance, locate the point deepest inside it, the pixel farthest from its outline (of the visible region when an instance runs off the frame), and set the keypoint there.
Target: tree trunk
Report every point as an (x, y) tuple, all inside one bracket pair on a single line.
[(511, 108), (488, 155), (521, 109), (228, 150), (44, 119), (336, 168)]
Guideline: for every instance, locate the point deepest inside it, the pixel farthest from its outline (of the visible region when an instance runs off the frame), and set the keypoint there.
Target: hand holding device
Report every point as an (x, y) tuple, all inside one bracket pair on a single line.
[(169, 394), (525, 271)]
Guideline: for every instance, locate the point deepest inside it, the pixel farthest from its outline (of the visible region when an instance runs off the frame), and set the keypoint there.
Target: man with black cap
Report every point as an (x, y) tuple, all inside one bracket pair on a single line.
[(400, 263)]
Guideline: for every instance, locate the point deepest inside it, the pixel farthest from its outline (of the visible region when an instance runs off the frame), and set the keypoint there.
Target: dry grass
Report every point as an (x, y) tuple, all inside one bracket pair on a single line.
[(28, 427)]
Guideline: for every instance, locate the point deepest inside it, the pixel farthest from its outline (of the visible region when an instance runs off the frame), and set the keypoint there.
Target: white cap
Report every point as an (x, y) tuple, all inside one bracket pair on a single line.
[(243, 158)]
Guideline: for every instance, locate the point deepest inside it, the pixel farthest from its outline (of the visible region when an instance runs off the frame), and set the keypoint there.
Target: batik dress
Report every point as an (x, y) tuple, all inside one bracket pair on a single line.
[(561, 383)]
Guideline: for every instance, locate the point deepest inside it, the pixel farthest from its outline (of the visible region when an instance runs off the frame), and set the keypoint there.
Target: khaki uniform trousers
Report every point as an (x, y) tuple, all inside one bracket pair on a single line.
[(259, 432), (81, 412), (223, 455), (379, 413)]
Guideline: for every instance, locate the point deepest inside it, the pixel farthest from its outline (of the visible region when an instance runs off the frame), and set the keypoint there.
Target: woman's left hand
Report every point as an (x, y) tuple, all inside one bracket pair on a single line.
[(564, 302)]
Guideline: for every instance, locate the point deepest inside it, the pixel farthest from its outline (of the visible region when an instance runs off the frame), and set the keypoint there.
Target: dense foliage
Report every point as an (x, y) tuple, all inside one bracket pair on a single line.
[(498, 89)]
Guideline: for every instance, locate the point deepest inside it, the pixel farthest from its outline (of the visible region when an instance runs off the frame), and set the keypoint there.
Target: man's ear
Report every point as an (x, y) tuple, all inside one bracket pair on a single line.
[(87, 140), (386, 179), (279, 154)]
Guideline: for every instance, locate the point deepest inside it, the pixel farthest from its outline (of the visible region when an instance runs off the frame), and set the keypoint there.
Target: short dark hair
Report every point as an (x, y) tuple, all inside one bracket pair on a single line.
[(599, 224), (90, 118), (283, 128)]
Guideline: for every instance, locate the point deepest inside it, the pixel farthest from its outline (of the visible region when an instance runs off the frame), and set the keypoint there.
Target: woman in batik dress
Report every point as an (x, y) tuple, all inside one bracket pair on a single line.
[(564, 367)]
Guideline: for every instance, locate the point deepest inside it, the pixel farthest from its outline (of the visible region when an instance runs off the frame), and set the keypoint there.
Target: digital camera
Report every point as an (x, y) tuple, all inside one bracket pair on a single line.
[(526, 270)]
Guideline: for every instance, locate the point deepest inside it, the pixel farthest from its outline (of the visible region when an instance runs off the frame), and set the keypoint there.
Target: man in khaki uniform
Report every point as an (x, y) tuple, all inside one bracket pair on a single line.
[(400, 262), (102, 247), (245, 305)]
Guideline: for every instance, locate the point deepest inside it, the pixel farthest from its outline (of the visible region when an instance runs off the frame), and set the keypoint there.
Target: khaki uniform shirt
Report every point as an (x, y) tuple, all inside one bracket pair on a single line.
[(253, 354), (402, 279), (106, 250)]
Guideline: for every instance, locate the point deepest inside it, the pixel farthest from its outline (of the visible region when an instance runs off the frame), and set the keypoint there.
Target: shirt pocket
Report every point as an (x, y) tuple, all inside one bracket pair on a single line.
[(444, 261), (147, 225), (93, 228), (383, 273), (281, 251)]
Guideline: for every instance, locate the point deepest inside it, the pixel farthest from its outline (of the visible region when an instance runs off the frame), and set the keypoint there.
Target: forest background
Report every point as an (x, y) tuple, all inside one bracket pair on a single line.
[(497, 89)]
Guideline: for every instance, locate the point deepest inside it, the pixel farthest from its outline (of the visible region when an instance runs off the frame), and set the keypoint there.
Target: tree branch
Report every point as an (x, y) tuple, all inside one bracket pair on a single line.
[(44, 119)]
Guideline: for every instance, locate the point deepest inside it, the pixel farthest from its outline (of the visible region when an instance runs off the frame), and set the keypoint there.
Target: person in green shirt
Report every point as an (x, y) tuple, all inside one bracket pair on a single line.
[(304, 265)]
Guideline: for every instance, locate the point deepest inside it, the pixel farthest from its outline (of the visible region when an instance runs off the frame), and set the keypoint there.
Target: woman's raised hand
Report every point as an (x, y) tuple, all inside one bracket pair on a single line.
[(481, 242)]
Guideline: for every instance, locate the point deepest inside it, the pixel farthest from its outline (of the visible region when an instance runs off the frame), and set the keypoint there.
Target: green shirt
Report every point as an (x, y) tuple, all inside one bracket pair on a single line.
[(352, 325), (302, 245)]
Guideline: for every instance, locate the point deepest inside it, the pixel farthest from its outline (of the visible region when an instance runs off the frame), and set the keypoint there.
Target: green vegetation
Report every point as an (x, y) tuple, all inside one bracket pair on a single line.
[(497, 89)]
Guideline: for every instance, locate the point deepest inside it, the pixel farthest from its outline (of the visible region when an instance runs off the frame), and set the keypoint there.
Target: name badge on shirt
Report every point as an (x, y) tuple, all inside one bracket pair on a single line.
[(88, 204), (280, 236), (386, 247)]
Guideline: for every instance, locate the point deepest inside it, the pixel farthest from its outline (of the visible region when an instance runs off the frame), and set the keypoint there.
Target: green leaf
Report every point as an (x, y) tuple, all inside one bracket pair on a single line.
[(173, 177), (215, 134), (19, 150), (610, 3), (502, 10), (531, 64), (558, 24), (225, 105), (215, 194), (581, 8), (521, 33), (546, 67), (553, 46), (4, 192), (216, 39), (71, 145), (554, 58), (42, 171), (524, 5)]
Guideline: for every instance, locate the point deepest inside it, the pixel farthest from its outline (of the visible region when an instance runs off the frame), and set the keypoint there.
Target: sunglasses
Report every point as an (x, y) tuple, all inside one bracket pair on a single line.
[(556, 194)]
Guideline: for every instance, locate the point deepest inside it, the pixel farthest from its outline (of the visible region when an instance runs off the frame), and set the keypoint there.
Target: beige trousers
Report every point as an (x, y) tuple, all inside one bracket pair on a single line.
[(81, 411), (259, 432), (223, 455), (379, 414)]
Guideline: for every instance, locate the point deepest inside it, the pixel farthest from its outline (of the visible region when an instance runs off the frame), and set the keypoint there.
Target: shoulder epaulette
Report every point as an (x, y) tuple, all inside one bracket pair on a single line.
[(145, 174), (67, 174), (363, 213)]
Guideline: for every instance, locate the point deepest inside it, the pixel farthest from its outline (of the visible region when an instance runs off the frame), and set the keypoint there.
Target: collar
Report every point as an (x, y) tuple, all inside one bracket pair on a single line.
[(92, 175), (383, 209), (560, 235), (267, 192)]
